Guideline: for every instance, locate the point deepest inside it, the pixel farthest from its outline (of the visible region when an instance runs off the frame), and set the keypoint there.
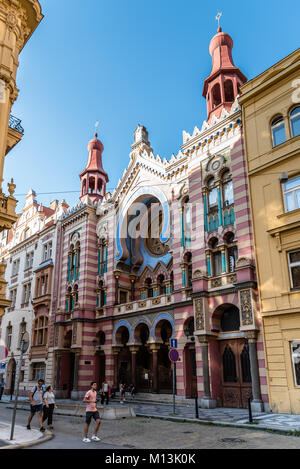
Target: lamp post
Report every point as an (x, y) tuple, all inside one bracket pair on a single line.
[(23, 348)]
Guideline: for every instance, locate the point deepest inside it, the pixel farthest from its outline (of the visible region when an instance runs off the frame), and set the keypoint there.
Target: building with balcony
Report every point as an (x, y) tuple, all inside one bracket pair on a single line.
[(168, 255), (28, 249), (18, 21), (271, 118)]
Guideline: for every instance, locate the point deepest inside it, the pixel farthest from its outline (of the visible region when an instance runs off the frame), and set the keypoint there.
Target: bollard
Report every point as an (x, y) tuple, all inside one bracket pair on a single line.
[(196, 406), (250, 410)]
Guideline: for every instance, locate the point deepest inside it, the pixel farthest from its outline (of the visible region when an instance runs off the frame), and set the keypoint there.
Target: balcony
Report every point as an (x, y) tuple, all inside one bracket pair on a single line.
[(146, 304), (42, 300), (222, 281), (15, 133)]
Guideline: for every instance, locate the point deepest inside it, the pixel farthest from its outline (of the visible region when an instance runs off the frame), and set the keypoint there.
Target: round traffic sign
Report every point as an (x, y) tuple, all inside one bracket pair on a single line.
[(174, 355), (3, 352)]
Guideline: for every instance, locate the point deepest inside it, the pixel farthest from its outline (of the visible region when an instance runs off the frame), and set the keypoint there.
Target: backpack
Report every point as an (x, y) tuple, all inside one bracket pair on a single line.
[(35, 390)]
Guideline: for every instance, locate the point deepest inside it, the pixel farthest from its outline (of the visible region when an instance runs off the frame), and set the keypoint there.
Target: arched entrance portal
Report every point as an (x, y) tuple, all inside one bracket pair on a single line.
[(143, 359), (163, 333), (190, 368), (67, 367), (124, 359), (11, 376), (235, 361)]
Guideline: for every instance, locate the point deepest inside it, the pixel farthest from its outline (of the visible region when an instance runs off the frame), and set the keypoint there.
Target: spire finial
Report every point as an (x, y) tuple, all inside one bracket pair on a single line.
[(218, 17), (96, 127)]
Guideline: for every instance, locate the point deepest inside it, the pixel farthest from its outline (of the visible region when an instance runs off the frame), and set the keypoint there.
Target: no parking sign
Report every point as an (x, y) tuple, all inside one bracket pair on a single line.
[(174, 355)]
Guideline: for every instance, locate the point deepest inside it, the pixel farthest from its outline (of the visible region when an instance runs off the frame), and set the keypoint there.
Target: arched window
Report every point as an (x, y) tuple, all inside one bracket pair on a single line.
[(212, 194), (228, 198), (229, 366), (278, 131), (186, 223), (216, 95), (230, 320), (148, 284), (229, 93), (161, 285), (295, 121), (40, 335), (232, 251)]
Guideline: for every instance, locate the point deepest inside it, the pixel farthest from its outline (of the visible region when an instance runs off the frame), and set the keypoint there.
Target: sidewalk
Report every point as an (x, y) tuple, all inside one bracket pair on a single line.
[(220, 416), (22, 437)]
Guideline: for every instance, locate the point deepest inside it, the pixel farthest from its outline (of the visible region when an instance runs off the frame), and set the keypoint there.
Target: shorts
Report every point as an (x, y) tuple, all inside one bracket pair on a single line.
[(36, 408), (90, 415)]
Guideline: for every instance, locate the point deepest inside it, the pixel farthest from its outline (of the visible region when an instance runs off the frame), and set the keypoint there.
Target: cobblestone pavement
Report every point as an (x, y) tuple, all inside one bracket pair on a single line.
[(147, 433), (276, 421)]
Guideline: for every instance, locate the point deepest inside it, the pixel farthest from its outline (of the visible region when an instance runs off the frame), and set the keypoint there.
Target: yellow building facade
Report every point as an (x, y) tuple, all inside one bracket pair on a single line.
[(18, 21), (271, 120)]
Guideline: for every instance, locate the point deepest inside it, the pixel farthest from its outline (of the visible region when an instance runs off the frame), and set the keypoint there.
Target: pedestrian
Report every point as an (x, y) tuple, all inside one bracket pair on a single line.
[(2, 386), (49, 406), (91, 412), (105, 392), (36, 404), (132, 390), (122, 393)]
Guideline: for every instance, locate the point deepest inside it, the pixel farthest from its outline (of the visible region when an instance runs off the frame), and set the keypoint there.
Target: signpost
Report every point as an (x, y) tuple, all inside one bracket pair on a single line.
[(174, 357), (23, 349)]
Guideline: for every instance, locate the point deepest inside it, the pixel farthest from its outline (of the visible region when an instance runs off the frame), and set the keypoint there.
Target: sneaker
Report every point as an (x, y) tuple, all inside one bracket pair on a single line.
[(28, 427), (95, 438), (86, 440), (42, 429)]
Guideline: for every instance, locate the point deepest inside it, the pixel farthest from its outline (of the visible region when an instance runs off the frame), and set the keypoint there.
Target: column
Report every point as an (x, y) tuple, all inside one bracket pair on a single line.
[(133, 349), (116, 289), (206, 402), (74, 393), (205, 210), (154, 349), (223, 253), (183, 268), (57, 376), (132, 280), (257, 403), (208, 263), (116, 351)]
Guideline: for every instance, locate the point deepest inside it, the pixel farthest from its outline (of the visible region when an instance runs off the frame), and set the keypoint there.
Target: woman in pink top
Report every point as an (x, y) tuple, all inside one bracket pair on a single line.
[(91, 412)]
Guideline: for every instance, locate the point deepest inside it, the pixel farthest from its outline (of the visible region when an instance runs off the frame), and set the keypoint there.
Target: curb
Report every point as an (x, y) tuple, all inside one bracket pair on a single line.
[(280, 430), (48, 436)]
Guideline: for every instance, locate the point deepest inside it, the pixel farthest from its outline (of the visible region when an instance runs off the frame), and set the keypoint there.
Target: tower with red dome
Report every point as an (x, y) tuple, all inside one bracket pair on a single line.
[(94, 178), (223, 84)]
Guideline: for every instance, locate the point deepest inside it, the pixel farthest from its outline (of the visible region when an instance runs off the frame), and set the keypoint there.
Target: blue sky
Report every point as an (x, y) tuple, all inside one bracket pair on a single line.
[(122, 63)]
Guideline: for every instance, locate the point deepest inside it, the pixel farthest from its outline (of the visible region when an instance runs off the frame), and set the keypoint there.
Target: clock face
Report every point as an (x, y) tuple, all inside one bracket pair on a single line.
[(215, 165)]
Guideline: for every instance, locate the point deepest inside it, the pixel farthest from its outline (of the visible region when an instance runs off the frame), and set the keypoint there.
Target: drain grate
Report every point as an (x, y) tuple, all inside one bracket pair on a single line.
[(187, 432), (233, 440)]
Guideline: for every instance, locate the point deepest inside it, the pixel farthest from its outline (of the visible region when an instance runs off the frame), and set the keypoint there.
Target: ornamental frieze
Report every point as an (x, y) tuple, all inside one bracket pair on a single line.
[(199, 314), (246, 307)]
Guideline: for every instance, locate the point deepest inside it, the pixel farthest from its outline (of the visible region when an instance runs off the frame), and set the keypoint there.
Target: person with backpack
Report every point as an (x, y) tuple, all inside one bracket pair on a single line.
[(49, 405), (91, 412), (36, 404)]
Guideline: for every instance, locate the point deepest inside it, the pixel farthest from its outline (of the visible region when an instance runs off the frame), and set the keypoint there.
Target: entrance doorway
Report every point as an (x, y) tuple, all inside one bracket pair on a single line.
[(190, 371), (236, 374)]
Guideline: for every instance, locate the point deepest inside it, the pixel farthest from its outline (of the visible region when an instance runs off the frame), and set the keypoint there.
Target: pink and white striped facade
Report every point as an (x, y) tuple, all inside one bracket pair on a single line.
[(119, 300)]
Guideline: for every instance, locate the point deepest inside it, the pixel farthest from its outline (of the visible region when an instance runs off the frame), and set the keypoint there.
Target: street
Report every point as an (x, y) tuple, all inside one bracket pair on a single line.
[(147, 433)]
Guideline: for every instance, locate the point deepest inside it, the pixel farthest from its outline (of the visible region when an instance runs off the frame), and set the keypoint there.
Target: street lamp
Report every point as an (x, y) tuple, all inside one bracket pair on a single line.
[(189, 332)]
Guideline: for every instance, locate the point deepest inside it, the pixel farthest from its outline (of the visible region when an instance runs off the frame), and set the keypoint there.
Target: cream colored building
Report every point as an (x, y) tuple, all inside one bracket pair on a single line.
[(18, 21), (271, 119)]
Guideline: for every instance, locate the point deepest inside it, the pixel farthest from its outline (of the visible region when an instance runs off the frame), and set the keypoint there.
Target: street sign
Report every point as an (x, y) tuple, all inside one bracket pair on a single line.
[(174, 343), (174, 355), (3, 352)]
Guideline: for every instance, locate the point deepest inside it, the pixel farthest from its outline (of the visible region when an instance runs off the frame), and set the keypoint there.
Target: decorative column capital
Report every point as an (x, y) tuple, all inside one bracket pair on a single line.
[(154, 347), (134, 349), (116, 349), (251, 336)]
